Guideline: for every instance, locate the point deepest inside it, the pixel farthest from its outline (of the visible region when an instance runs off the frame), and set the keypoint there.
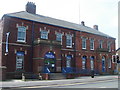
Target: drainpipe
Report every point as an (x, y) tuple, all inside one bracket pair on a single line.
[(75, 52), (32, 44)]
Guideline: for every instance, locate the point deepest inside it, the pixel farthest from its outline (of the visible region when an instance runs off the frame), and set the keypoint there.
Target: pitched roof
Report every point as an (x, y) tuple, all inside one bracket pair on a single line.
[(56, 22)]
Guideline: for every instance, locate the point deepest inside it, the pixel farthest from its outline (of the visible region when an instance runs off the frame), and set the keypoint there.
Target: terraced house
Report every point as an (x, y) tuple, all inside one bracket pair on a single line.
[(33, 43)]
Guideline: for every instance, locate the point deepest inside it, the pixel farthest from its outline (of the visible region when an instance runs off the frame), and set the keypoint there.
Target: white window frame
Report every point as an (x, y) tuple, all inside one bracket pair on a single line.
[(91, 44), (109, 63), (84, 43), (59, 37), (92, 63), (69, 37), (68, 61), (109, 46), (84, 61), (44, 34), (23, 30), (100, 44)]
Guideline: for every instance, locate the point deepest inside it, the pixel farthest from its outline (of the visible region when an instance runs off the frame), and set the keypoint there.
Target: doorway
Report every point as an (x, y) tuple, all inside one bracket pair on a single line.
[(19, 60), (49, 61)]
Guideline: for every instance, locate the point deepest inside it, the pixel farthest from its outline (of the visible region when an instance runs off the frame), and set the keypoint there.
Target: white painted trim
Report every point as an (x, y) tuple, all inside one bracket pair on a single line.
[(16, 44)]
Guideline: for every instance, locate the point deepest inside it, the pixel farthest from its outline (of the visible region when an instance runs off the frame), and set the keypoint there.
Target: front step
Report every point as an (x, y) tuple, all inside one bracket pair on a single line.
[(56, 76)]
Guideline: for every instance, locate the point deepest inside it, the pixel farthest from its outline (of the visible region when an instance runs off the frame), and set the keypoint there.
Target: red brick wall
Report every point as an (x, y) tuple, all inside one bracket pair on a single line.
[(40, 50)]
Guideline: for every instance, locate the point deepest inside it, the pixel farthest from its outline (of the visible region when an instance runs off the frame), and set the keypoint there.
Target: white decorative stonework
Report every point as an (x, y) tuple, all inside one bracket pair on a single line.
[(17, 25), (25, 52)]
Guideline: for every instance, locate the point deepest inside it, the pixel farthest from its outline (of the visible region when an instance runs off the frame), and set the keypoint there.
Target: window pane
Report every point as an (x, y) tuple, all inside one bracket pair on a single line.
[(92, 44), (100, 44), (83, 43), (44, 34), (84, 58), (109, 63), (109, 46), (21, 34), (68, 61), (59, 37), (69, 40)]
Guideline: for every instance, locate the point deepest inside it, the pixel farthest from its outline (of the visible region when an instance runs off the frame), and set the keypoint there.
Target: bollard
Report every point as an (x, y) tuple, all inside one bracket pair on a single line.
[(23, 77), (40, 77), (46, 76), (92, 74)]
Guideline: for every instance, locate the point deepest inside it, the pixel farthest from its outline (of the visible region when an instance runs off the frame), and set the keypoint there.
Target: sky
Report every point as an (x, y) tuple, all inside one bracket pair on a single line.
[(103, 13)]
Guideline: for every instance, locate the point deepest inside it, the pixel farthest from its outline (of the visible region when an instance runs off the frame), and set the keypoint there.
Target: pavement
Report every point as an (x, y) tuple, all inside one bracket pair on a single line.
[(30, 83)]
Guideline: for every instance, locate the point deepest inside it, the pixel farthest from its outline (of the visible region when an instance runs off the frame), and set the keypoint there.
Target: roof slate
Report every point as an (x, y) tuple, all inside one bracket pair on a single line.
[(56, 22)]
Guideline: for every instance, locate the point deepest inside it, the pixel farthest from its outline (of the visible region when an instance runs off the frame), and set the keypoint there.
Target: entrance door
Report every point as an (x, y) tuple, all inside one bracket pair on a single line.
[(103, 64), (50, 62), (20, 61)]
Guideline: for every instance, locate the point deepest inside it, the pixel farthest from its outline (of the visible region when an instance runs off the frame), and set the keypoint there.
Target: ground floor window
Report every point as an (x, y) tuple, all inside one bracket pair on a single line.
[(68, 60), (19, 60), (109, 63), (92, 62), (103, 64), (84, 60)]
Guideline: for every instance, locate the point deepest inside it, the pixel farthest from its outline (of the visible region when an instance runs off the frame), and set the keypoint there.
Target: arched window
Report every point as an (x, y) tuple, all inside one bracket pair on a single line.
[(109, 63), (92, 62), (84, 60), (103, 64), (68, 60)]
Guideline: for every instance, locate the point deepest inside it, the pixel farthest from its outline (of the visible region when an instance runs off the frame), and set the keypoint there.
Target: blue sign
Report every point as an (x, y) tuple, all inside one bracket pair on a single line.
[(20, 53), (69, 57), (50, 55)]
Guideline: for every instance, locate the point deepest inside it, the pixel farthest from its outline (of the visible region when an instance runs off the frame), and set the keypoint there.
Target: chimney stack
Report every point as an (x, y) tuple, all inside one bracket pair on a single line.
[(95, 27), (82, 23), (31, 7)]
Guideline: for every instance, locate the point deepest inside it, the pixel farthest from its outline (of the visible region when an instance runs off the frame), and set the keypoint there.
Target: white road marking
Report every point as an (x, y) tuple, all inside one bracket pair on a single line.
[(102, 87), (66, 84)]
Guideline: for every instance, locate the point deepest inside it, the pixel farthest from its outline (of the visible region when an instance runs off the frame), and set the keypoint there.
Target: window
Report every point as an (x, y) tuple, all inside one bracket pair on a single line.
[(69, 41), (21, 34), (91, 44), (109, 46), (100, 44), (68, 60), (103, 64), (84, 58), (92, 62), (59, 37), (44, 34), (83, 43), (109, 63)]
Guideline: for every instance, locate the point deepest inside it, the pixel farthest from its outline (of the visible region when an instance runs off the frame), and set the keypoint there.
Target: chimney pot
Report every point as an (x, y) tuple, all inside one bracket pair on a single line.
[(31, 7), (83, 23), (95, 27)]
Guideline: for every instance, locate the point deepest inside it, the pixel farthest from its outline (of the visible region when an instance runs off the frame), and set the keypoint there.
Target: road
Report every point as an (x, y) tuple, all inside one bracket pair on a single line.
[(111, 83)]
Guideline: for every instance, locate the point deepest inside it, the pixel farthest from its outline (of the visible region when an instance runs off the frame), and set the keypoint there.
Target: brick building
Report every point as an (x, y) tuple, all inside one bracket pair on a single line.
[(34, 43)]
